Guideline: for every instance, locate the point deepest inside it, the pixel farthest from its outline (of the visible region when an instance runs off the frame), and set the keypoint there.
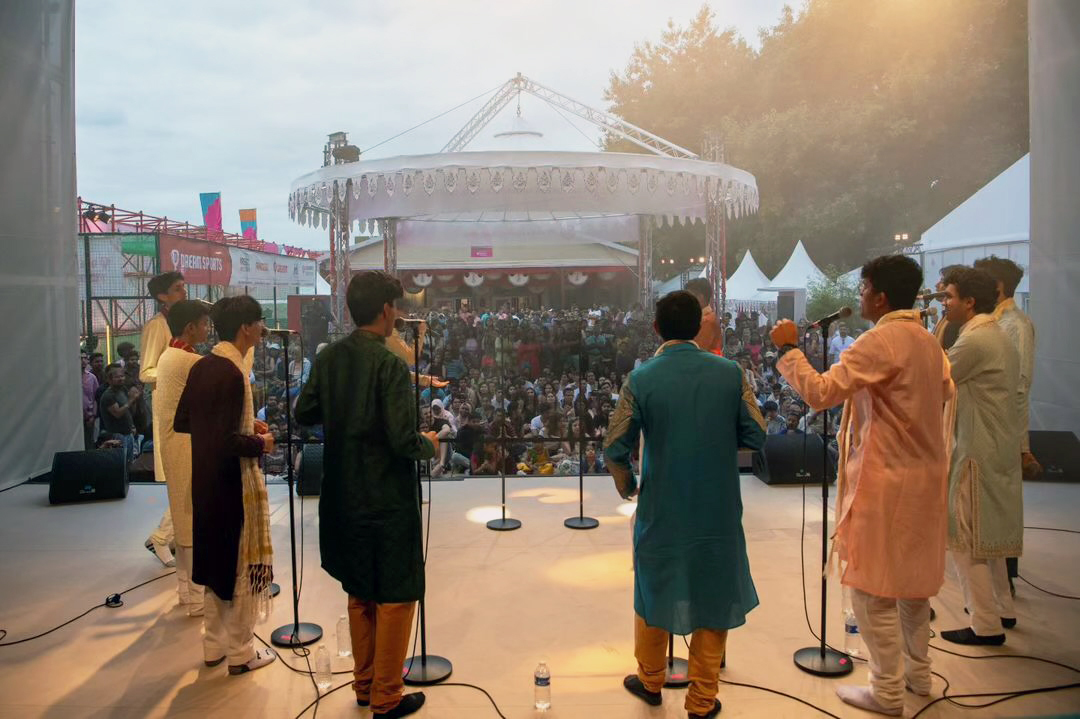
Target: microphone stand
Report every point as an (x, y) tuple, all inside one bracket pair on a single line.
[(822, 661), (423, 669), (581, 521), (297, 634)]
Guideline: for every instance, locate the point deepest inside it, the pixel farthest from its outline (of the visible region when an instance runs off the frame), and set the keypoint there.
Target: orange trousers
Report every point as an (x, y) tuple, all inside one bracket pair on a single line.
[(380, 641), (707, 648)]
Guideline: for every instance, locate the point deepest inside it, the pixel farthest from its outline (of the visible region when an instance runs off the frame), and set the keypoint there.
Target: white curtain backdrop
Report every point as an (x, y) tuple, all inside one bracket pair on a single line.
[(1054, 79), (39, 306)]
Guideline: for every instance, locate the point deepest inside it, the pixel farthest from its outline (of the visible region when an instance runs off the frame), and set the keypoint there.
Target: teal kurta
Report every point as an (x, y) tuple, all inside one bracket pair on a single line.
[(695, 411), (369, 508)]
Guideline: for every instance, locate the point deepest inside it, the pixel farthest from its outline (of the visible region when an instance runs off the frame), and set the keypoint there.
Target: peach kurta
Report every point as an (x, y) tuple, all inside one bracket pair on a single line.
[(892, 515)]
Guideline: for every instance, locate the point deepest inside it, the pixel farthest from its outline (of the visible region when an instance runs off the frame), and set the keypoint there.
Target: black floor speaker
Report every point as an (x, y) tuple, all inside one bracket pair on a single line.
[(783, 455), (1058, 453), (309, 481), (85, 476)]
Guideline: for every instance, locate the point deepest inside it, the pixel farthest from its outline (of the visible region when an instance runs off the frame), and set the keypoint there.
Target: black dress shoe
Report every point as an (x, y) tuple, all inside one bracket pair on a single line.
[(967, 635), (933, 614), (409, 704), (707, 715), (1006, 622), (363, 702), (634, 686)]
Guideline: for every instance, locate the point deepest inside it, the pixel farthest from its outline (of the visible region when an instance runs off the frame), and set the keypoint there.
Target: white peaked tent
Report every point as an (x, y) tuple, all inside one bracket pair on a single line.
[(791, 282), (745, 285), (993, 221)]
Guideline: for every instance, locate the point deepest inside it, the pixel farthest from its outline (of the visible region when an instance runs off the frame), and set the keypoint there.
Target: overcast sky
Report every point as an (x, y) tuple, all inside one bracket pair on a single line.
[(174, 99)]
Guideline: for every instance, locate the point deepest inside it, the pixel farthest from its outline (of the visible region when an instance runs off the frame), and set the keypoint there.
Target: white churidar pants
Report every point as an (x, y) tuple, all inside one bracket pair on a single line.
[(986, 591), (227, 632), (897, 637)]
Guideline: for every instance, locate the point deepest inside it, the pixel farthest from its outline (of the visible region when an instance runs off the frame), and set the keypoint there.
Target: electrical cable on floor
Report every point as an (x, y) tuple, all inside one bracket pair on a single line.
[(1024, 579), (5, 489), (1055, 529), (4, 633)]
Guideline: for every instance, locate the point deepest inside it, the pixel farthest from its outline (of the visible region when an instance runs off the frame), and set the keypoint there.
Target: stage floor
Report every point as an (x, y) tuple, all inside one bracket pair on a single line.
[(497, 603)]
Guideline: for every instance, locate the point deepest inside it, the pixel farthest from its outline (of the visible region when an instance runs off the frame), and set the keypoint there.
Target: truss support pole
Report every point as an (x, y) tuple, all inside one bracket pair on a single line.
[(716, 227), (645, 261), (388, 230), (339, 256)]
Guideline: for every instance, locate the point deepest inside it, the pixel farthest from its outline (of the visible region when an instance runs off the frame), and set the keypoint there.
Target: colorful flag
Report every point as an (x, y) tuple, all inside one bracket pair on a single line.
[(248, 226), (211, 210)]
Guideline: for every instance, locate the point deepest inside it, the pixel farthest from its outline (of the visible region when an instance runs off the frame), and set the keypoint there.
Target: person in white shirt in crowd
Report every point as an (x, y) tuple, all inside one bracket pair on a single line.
[(840, 342)]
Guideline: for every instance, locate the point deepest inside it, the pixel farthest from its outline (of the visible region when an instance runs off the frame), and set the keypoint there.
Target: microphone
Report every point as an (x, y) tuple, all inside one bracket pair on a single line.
[(402, 322), (282, 331), (829, 319), (929, 312), (928, 295)]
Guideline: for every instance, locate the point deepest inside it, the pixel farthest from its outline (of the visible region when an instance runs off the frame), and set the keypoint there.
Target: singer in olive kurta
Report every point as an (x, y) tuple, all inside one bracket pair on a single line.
[(369, 508)]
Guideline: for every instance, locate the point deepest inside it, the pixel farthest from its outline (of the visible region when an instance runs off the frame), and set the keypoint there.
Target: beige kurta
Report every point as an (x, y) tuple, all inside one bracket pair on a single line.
[(173, 449), (1021, 332), (986, 500)]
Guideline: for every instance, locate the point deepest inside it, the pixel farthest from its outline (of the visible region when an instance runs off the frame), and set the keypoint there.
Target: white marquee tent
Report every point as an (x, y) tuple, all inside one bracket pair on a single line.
[(791, 282), (993, 221)]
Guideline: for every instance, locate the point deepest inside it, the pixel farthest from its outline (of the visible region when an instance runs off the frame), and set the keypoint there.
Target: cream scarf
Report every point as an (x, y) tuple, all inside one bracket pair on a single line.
[(254, 570)]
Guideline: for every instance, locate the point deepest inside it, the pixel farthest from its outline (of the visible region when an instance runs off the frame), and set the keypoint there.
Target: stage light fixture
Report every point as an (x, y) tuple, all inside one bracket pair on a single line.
[(701, 260), (103, 216)]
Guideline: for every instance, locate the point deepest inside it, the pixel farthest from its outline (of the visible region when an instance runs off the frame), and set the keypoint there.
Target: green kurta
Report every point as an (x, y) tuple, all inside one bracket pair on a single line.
[(695, 411), (369, 509)]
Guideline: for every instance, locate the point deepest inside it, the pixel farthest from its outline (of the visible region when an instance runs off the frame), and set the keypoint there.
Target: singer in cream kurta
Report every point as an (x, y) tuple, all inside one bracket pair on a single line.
[(1021, 333), (173, 448)]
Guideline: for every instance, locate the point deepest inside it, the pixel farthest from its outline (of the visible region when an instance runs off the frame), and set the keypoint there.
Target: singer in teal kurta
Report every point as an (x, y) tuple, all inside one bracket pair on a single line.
[(695, 411)]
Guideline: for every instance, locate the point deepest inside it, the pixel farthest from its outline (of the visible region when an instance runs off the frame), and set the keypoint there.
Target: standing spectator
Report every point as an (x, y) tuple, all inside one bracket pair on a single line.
[(115, 408), (89, 394), (840, 342)]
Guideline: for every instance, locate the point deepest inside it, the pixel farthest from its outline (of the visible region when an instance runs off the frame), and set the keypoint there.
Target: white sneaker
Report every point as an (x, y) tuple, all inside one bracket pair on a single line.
[(196, 610), (161, 551), (262, 658), (861, 697)]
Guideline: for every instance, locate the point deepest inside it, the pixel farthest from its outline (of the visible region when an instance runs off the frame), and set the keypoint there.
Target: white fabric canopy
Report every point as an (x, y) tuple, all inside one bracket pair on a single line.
[(523, 185), (746, 283), (796, 274)]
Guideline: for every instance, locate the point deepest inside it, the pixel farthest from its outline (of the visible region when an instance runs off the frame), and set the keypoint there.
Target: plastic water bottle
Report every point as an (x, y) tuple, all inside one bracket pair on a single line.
[(852, 640), (344, 637), (323, 676), (542, 686)]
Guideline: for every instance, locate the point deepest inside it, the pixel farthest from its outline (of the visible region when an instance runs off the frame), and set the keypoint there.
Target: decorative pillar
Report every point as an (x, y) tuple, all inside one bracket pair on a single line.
[(339, 255), (645, 261), (388, 230)]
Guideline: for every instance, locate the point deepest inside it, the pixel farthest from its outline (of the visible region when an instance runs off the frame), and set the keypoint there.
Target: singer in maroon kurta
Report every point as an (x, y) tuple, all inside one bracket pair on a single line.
[(209, 411)]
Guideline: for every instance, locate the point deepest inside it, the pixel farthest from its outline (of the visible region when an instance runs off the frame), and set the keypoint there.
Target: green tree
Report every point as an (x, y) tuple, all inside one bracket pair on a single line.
[(832, 292), (859, 119)]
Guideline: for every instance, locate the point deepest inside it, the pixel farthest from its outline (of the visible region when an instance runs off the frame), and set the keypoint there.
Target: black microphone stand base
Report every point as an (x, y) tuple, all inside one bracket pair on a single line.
[(275, 589), (427, 670), (582, 523), (827, 663), (504, 524), (677, 673), (296, 635)]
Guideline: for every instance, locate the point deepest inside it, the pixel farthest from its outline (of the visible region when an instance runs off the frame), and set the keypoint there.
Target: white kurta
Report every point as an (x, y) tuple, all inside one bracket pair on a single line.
[(155, 339), (173, 449)]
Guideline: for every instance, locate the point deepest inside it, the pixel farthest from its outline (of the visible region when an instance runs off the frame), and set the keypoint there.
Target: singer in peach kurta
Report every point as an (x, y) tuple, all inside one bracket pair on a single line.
[(892, 516)]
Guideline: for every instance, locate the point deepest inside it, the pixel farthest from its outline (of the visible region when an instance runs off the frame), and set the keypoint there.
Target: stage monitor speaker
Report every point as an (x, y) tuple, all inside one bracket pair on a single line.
[(782, 457), (1059, 455), (309, 481), (84, 476)]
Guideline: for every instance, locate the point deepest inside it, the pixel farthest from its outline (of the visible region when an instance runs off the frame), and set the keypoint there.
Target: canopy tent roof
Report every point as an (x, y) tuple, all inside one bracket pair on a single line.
[(998, 213), (747, 281), (796, 274), (517, 185)]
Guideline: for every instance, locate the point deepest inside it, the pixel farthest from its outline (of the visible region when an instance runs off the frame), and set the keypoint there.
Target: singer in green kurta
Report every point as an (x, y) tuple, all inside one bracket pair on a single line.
[(369, 516), (691, 571)]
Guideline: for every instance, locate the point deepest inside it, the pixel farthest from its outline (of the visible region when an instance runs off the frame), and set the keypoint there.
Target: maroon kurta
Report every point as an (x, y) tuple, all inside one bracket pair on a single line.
[(209, 411)]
